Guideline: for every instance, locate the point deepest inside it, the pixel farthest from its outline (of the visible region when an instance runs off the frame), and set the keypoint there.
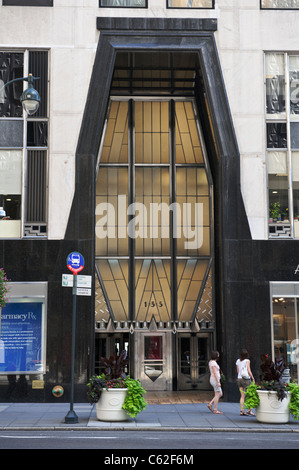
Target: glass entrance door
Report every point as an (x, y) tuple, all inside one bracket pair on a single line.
[(193, 357)]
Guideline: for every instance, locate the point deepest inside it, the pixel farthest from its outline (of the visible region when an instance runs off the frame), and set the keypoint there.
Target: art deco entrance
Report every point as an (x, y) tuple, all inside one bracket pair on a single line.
[(154, 234)]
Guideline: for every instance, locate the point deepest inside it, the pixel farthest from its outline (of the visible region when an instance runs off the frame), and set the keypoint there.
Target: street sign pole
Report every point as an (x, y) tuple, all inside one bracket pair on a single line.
[(71, 417), (75, 263)]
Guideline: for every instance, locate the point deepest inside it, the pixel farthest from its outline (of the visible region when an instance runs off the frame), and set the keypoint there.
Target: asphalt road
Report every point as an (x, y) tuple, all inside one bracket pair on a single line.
[(120, 443)]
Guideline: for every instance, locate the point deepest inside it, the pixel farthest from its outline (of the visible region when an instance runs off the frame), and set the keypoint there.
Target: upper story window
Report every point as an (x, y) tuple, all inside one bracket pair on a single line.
[(23, 147), (28, 3), (280, 4), (191, 4), (123, 3), (282, 126)]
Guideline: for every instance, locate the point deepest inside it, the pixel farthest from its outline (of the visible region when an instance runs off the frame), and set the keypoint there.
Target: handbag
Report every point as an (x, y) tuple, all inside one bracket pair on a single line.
[(244, 372)]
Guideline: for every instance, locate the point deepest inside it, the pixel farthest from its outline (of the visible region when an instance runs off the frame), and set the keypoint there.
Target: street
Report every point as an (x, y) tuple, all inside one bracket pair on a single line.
[(121, 440)]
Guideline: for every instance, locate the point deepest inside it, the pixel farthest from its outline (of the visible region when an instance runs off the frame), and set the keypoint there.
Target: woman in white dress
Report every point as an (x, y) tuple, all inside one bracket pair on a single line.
[(215, 382)]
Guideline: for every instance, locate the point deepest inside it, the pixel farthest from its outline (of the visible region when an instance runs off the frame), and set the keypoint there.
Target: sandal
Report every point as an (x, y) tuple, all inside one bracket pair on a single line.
[(250, 413), (243, 413), (210, 407), (217, 412)]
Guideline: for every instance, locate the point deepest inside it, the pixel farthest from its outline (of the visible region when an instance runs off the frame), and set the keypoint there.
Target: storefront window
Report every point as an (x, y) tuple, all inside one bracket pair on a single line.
[(285, 329), (23, 330)]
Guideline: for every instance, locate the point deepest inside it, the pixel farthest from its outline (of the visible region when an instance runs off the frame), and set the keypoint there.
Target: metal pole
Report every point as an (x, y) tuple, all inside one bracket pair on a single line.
[(71, 416)]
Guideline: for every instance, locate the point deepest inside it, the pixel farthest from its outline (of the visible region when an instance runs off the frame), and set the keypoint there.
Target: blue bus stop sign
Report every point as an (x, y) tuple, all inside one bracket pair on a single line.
[(75, 262)]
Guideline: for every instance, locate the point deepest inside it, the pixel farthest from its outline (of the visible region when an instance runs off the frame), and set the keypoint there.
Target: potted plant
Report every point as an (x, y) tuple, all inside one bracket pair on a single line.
[(116, 395), (272, 398), (274, 210)]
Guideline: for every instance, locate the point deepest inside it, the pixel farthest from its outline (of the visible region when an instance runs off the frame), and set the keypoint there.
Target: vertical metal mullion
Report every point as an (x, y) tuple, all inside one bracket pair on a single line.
[(172, 183), (296, 319), (131, 240), (25, 151), (289, 152)]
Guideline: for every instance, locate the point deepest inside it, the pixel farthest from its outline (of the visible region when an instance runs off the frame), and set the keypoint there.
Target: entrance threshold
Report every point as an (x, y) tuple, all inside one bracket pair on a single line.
[(178, 397)]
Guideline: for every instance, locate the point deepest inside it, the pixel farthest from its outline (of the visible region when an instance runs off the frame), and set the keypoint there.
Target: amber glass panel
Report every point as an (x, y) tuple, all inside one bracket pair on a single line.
[(153, 290), (152, 132), (111, 211), (188, 148), (193, 216), (114, 274), (151, 223), (190, 274), (115, 147)]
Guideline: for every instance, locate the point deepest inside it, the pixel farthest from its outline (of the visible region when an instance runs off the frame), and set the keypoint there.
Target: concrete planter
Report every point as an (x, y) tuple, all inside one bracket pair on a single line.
[(272, 410), (109, 406)]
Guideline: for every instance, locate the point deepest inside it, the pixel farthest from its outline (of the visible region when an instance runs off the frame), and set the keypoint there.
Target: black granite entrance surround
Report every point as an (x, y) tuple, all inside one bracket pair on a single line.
[(244, 266)]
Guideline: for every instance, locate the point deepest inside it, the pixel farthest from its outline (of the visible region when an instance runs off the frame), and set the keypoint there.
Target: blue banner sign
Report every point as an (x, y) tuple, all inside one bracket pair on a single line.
[(21, 345)]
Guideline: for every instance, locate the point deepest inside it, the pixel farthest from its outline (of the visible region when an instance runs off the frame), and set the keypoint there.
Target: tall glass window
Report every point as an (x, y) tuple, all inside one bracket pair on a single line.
[(153, 213), (282, 126), (285, 324), (23, 147)]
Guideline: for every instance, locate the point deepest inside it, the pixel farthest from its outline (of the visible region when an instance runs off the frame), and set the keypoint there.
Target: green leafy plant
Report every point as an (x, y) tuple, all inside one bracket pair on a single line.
[(134, 402), (274, 210), (4, 288), (251, 397), (293, 388)]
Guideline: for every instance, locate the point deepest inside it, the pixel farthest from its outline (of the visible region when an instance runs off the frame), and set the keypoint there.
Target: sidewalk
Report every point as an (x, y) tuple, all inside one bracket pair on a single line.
[(169, 417)]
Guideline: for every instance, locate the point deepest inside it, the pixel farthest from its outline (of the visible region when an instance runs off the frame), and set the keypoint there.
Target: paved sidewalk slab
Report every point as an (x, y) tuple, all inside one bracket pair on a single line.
[(174, 417)]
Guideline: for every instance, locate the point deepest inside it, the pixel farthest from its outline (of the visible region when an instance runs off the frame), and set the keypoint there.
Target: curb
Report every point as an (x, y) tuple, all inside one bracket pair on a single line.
[(146, 428)]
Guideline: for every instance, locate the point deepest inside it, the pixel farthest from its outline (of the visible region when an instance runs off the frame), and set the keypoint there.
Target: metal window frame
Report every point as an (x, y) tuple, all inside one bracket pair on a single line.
[(275, 8)]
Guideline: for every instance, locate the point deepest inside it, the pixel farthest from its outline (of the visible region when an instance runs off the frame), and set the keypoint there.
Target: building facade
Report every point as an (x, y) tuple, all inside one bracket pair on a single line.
[(165, 151)]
